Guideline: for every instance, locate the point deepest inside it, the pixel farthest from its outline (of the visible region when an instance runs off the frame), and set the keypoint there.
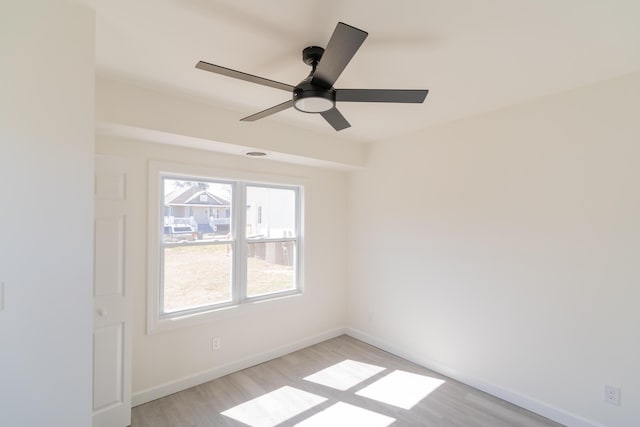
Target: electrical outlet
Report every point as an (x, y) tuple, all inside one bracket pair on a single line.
[(612, 395), (215, 343)]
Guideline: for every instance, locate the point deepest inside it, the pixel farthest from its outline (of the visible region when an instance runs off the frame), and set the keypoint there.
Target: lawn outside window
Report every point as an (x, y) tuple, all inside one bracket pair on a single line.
[(218, 242)]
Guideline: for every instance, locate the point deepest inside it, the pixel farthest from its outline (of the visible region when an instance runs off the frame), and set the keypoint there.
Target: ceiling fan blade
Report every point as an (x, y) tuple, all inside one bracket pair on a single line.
[(381, 95), (335, 119), (268, 111), (243, 76), (344, 43)]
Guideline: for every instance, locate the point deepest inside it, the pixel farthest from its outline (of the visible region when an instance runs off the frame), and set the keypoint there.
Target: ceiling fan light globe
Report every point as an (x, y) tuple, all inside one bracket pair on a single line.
[(313, 104)]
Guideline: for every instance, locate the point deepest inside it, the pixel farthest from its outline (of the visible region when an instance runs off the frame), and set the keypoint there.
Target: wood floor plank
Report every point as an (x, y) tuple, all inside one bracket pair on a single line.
[(452, 404)]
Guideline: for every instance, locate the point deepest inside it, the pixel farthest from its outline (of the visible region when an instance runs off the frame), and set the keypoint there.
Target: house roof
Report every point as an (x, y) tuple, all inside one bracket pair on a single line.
[(194, 196)]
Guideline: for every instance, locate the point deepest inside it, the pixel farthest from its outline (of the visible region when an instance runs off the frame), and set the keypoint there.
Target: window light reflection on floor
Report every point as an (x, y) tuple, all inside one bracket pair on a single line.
[(344, 415), (274, 408), (401, 389), (344, 375)]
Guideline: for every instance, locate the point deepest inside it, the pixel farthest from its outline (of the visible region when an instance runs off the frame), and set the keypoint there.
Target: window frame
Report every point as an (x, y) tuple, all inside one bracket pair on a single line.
[(157, 320)]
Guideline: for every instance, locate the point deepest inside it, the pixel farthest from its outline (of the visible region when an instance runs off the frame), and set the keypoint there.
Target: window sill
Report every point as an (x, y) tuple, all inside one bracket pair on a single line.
[(251, 306)]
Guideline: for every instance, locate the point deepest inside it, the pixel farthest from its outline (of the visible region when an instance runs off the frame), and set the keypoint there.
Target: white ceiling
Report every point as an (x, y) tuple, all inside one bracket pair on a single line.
[(474, 56)]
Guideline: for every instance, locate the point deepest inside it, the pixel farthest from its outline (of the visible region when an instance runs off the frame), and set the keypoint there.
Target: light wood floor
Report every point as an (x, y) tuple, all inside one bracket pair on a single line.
[(451, 404)]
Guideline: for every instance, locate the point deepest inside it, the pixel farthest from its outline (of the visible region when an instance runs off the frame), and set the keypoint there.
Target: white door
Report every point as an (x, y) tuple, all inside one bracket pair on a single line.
[(111, 295)]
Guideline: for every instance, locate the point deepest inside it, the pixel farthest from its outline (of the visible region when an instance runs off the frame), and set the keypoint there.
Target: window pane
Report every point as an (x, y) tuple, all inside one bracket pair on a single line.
[(271, 212), (270, 267), (196, 210), (196, 275)]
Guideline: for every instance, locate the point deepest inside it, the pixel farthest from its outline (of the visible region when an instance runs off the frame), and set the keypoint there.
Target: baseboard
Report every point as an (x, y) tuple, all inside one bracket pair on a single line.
[(153, 393), (541, 408)]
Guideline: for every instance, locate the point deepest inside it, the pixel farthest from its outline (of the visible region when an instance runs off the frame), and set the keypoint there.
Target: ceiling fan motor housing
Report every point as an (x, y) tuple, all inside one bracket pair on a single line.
[(310, 98)]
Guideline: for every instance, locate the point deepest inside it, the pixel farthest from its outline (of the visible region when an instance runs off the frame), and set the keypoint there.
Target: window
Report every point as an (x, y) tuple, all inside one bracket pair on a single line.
[(271, 242), (220, 243), (197, 254)]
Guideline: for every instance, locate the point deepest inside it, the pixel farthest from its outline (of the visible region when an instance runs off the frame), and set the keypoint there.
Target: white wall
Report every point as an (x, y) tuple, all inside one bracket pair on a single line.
[(167, 361), (507, 251), (46, 185)]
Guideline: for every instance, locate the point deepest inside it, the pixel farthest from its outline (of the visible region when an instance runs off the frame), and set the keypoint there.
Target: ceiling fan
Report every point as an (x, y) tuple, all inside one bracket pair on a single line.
[(316, 94)]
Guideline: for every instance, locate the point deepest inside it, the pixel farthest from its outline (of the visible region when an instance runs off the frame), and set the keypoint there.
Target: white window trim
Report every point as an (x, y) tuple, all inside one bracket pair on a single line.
[(156, 323)]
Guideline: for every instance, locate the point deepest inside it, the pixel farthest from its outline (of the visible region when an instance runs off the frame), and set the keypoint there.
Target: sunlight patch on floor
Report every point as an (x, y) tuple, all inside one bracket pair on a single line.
[(344, 375), (401, 389), (344, 415), (274, 408)]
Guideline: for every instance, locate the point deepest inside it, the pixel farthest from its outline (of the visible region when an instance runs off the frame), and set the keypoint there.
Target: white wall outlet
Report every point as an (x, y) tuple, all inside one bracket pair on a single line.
[(215, 343), (612, 395)]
